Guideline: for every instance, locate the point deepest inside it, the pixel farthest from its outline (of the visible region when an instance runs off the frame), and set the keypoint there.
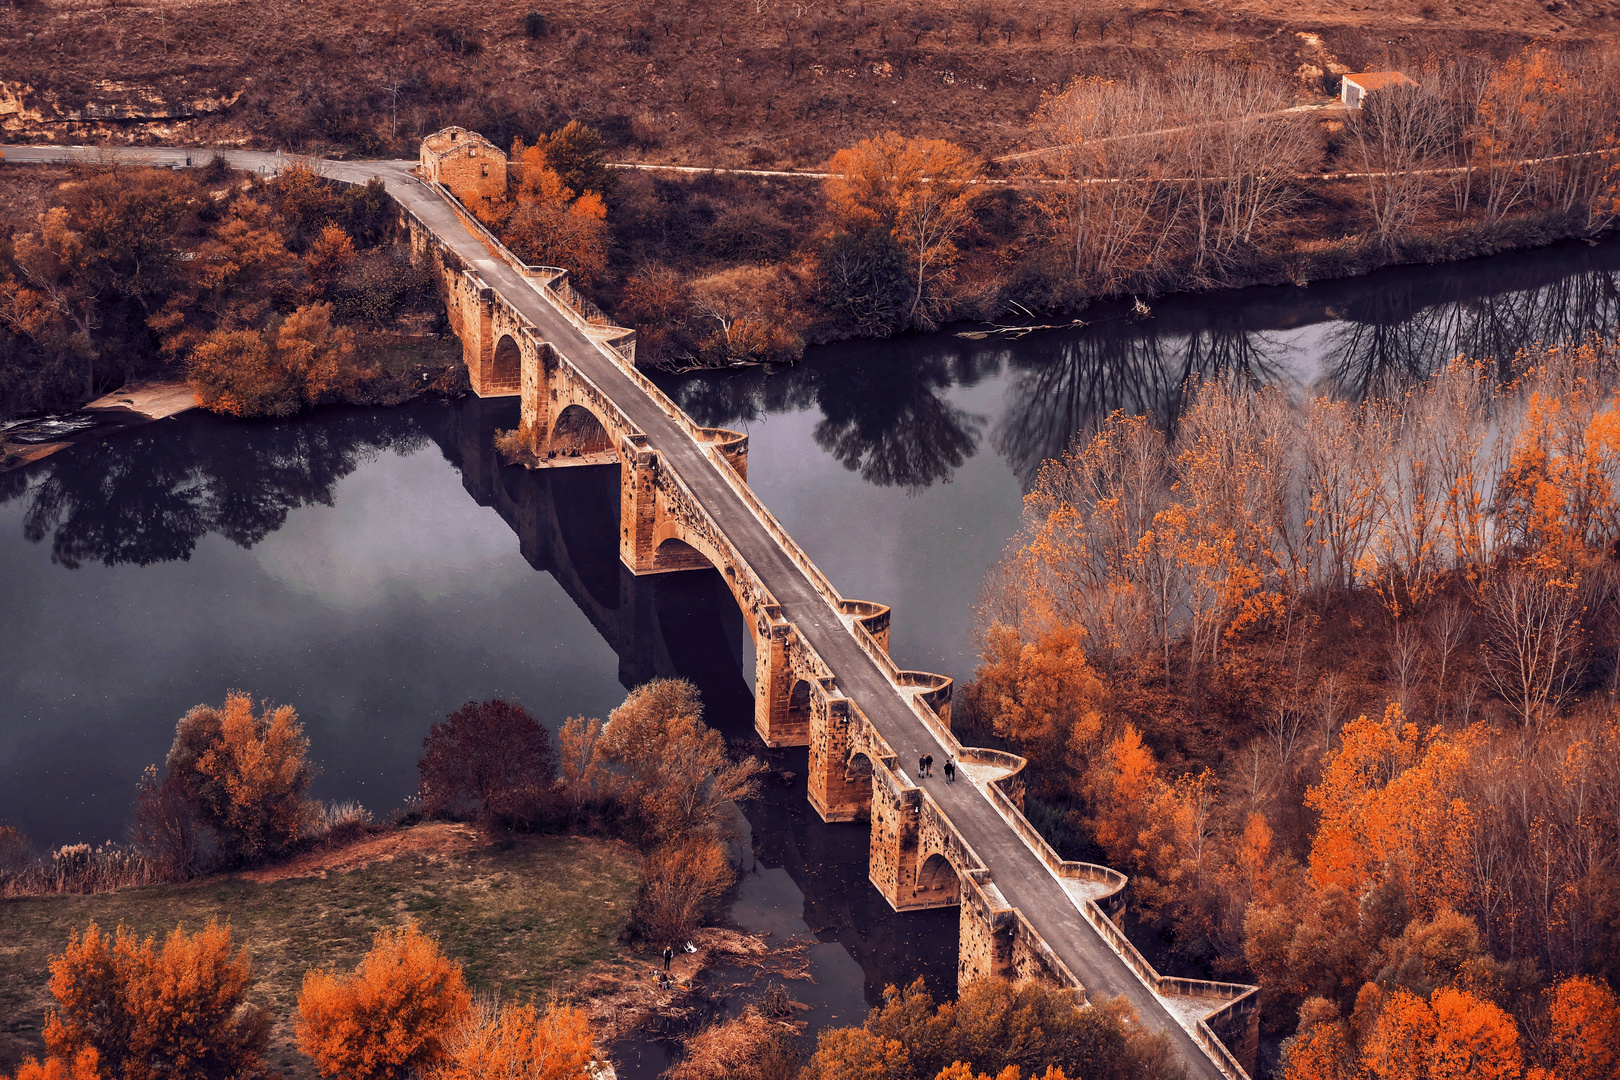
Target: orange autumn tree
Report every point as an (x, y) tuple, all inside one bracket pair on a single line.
[(546, 222), (247, 774), (856, 1054), (1390, 801), (919, 190), (1557, 495), (330, 254), (518, 1042), (177, 1012), (307, 360), (391, 1017), (1123, 788), (1042, 694), (1583, 1032), (959, 1071), (1452, 1036)]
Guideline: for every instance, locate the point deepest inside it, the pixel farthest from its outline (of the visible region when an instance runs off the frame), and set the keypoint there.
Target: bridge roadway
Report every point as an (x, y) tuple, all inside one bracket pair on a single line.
[(1025, 882)]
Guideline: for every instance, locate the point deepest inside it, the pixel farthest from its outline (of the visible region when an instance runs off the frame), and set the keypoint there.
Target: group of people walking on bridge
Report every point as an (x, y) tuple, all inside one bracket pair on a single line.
[(925, 768)]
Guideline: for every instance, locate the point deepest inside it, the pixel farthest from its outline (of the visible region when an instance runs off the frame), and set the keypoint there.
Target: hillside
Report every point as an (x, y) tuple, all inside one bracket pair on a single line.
[(761, 82)]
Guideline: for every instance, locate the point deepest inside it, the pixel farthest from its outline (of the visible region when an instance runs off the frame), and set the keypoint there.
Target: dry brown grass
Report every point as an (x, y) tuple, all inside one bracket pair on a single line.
[(526, 919), (741, 82), (746, 1047)]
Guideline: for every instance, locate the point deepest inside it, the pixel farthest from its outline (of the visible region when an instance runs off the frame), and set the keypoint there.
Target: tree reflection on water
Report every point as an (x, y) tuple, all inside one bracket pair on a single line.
[(1385, 338), (884, 411), (145, 497), (887, 416)]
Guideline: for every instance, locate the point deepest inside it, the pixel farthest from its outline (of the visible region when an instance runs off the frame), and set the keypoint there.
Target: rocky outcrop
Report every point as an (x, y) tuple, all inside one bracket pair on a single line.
[(24, 109)]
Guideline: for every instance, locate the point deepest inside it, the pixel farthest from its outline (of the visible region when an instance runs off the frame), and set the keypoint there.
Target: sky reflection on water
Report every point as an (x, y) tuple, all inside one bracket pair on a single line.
[(376, 569)]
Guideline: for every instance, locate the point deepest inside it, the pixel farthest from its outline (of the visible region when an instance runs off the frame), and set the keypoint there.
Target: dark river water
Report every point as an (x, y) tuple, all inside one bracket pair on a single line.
[(377, 568)]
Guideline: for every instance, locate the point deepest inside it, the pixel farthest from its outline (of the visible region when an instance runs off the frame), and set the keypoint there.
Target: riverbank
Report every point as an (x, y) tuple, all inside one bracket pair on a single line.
[(539, 916), (27, 441)]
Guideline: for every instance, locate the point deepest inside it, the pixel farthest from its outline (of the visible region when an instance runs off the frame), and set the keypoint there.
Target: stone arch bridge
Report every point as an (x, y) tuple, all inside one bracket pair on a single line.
[(823, 674)]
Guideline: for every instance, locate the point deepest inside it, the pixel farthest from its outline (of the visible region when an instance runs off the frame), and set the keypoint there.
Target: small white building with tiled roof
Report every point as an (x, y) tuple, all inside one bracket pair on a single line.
[(1353, 89)]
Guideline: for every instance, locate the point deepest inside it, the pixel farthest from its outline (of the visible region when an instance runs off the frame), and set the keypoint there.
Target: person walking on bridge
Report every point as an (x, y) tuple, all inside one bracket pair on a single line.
[(922, 767), (950, 770), (928, 765)]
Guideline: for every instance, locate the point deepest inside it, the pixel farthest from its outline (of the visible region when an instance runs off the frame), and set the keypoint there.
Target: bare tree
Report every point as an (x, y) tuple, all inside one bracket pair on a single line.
[(1462, 84), (1109, 202), (1512, 132), (1345, 451), (1284, 726), (1448, 626), (1405, 659), (1398, 136), (1580, 174), (1328, 706), (981, 17), (1239, 153), (921, 23), (1533, 651)]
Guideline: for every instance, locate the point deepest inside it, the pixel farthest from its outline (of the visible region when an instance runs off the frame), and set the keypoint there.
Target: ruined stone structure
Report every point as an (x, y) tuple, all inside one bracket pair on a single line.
[(471, 167), (919, 857)]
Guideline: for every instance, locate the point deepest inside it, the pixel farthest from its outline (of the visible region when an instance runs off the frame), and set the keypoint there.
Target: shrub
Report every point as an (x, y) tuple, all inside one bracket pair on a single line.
[(305, 201), (517, 444), (489, 761), (215, 169), (247, 775), (748, 315), (16, 853), (166, 824), (746, 1047), (340, 822), (379, 283), (368, 214), (994, 1025), (534, 24), (749, 234), (391, 1017), (864, 281), (656, 301), (519, 1043), (674, 768), (680, 883), (176, 1013), (86, 1065)]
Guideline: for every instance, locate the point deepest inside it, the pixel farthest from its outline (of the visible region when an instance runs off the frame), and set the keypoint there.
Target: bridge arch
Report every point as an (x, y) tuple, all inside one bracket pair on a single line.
[(506, 366), (858, 769), (577, 432), (938, 882), (798, 709), (673, 553)]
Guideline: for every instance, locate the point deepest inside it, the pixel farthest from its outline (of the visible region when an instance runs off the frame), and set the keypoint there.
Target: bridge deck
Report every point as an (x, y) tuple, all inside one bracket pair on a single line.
[(1025, 882)]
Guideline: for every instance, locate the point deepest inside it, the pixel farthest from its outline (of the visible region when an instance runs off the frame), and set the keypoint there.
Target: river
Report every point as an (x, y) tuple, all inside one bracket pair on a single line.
[(377, 568)]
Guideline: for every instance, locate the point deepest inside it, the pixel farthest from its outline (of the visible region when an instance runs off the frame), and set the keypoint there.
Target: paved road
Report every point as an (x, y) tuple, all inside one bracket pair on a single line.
[(1023, 879)]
